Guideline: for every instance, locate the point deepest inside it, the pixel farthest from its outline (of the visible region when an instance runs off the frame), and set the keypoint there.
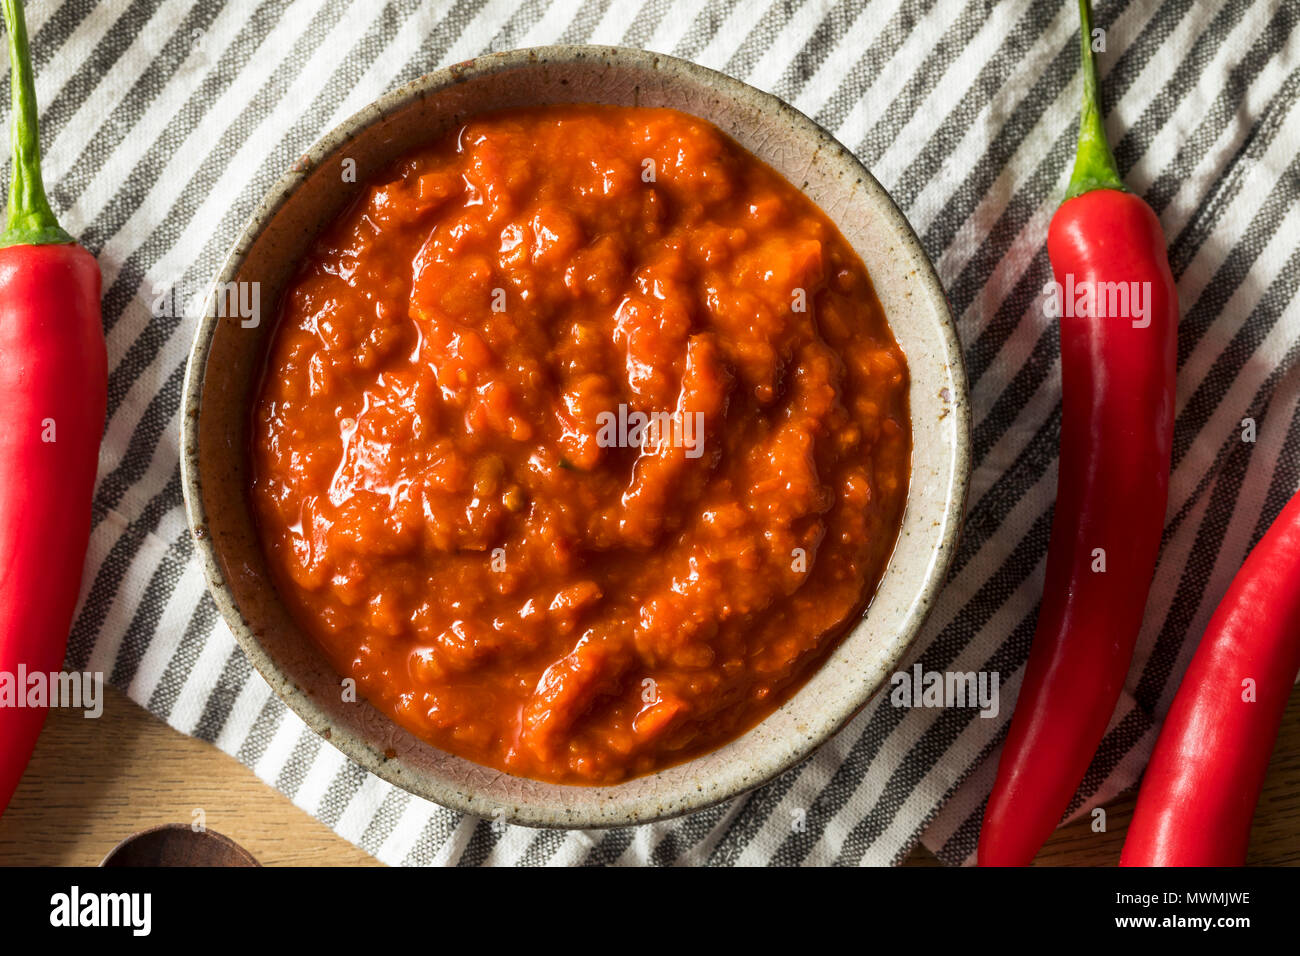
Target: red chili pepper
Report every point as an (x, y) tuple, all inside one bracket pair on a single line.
[(53, 392), (1200, 789), (1117, 384)]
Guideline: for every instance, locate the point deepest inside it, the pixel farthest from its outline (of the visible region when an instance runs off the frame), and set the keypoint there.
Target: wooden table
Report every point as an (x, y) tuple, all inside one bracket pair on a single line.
[(93, 782)]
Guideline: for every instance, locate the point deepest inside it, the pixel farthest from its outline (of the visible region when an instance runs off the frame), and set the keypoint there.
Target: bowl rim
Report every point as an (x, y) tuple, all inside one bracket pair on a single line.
[(342, 738)]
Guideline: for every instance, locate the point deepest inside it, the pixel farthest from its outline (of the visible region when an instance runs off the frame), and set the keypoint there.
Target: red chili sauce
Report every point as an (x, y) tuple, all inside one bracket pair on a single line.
[(451, 486)]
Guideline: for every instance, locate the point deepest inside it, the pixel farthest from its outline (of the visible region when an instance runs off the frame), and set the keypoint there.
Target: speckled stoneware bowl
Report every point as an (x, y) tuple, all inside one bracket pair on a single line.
[(227, 359)]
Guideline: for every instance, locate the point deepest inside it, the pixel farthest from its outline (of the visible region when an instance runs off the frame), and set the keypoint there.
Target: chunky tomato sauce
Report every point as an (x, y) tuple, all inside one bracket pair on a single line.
[(582, 439)]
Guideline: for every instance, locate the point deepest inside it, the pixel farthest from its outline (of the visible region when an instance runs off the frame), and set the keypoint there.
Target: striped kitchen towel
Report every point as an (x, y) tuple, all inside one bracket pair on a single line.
[(165, 121)]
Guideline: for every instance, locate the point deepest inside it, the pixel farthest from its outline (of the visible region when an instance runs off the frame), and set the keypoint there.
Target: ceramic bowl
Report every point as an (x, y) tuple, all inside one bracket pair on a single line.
[(227, 359)]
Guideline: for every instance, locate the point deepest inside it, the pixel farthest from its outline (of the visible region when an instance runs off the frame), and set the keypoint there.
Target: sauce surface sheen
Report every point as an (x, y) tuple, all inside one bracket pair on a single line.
[(453, 494)]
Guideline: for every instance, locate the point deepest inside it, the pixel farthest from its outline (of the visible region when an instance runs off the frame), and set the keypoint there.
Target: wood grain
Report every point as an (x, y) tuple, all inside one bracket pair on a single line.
[(94, 782)]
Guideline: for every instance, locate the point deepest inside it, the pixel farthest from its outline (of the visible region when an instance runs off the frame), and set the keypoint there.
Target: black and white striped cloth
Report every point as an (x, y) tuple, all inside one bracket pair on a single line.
[(164, 121)]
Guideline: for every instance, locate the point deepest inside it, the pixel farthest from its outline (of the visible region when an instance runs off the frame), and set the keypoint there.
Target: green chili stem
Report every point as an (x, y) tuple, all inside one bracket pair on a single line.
[(1094, 164), (31, 221)]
